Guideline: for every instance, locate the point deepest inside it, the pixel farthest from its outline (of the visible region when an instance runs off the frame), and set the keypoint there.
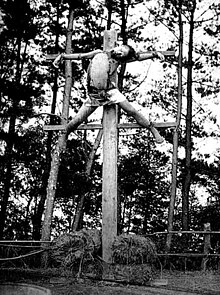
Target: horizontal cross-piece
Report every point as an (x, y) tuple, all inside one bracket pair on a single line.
[(81, 55), (92, 126)]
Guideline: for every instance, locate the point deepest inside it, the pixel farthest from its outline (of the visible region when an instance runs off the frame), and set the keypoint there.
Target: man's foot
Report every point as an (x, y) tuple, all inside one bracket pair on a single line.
[(159, 140), (157, 137)]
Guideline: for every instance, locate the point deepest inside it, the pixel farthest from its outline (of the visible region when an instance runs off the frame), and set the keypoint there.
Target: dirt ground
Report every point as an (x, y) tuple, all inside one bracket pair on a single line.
[(172, 283), (178, 283)]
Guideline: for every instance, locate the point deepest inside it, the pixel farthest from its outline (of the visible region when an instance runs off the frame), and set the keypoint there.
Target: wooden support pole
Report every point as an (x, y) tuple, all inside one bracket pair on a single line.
[(207, 245), (109, 172)]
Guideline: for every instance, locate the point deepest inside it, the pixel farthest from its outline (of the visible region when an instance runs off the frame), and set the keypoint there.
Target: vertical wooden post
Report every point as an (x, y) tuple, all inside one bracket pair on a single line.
[(109, 172), (207, 245)]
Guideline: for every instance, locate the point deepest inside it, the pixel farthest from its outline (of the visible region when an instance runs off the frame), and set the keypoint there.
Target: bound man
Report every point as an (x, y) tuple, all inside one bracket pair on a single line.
[(102, 88)]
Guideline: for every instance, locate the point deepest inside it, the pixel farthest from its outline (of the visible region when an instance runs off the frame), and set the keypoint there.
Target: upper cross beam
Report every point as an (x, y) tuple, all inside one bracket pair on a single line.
[(78, 56)]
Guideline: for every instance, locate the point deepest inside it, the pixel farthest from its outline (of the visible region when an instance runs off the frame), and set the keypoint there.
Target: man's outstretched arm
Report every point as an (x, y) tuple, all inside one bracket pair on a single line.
[(150, 55), (74, 56)]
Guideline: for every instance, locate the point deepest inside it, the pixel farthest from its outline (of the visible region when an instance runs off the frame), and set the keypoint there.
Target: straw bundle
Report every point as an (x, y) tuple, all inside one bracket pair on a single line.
[(72, 249), (132, 249)]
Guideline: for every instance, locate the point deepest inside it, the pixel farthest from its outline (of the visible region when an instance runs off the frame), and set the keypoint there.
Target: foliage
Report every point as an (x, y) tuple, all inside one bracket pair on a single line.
[(143, 186), (29, 152), (72, 183), (26, 188)]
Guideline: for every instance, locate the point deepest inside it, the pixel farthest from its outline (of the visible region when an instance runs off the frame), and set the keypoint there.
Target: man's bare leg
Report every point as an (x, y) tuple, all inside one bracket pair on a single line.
[(131, 111), (80, 117)]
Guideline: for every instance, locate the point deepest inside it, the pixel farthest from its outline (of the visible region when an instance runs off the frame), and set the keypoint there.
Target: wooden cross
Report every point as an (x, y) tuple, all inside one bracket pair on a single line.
[(110, 154)]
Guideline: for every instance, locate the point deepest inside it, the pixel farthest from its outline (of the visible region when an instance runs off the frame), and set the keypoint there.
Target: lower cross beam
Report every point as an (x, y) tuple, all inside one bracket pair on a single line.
[(92, 126)]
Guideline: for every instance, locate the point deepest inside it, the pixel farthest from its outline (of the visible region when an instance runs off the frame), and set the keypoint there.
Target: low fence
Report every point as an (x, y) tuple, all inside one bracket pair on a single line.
[(205, 256), (12, 254)]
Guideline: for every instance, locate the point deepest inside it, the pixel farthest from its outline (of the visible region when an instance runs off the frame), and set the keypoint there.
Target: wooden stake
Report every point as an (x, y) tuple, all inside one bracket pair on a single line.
[(207, 245), (109, 172)]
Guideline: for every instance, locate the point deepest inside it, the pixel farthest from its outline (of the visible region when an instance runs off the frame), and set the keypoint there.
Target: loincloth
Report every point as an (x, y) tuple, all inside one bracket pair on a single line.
[(104, 97)]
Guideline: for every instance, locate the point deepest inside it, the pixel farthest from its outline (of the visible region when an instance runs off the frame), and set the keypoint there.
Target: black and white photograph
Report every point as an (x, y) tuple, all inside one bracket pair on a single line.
[(109, 147)]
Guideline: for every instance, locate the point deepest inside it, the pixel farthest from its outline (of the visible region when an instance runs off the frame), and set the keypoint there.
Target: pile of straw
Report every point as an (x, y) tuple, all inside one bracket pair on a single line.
[(133, 249), (71, 250)]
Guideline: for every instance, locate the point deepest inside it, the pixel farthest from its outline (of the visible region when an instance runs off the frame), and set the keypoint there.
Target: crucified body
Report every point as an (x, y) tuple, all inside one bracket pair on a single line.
[(101, 89)]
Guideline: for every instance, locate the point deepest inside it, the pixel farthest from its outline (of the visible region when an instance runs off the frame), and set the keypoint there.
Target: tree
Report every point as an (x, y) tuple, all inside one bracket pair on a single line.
[(194, 66), (26, 188), (37, 217), (87, 186), (176, 132), (18, 94), (188, 143), (143, 186), (61, 144)]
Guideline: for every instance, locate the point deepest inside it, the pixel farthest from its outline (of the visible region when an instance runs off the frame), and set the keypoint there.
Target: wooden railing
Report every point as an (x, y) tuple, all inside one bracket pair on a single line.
[(206, 255)]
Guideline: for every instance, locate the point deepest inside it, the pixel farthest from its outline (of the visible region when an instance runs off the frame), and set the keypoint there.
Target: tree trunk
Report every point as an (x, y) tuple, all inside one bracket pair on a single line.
[(175, 136), (188, 143), (207, 246), (61, 144), (37, 218), (129, 214), (120, 87), (148, 190), (10, 142), (8, 174), (79, 210), (109, 8), (122, 221)]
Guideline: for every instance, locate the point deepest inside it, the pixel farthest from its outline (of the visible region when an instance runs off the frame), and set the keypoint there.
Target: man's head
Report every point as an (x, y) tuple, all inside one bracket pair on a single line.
[(123, 53)]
